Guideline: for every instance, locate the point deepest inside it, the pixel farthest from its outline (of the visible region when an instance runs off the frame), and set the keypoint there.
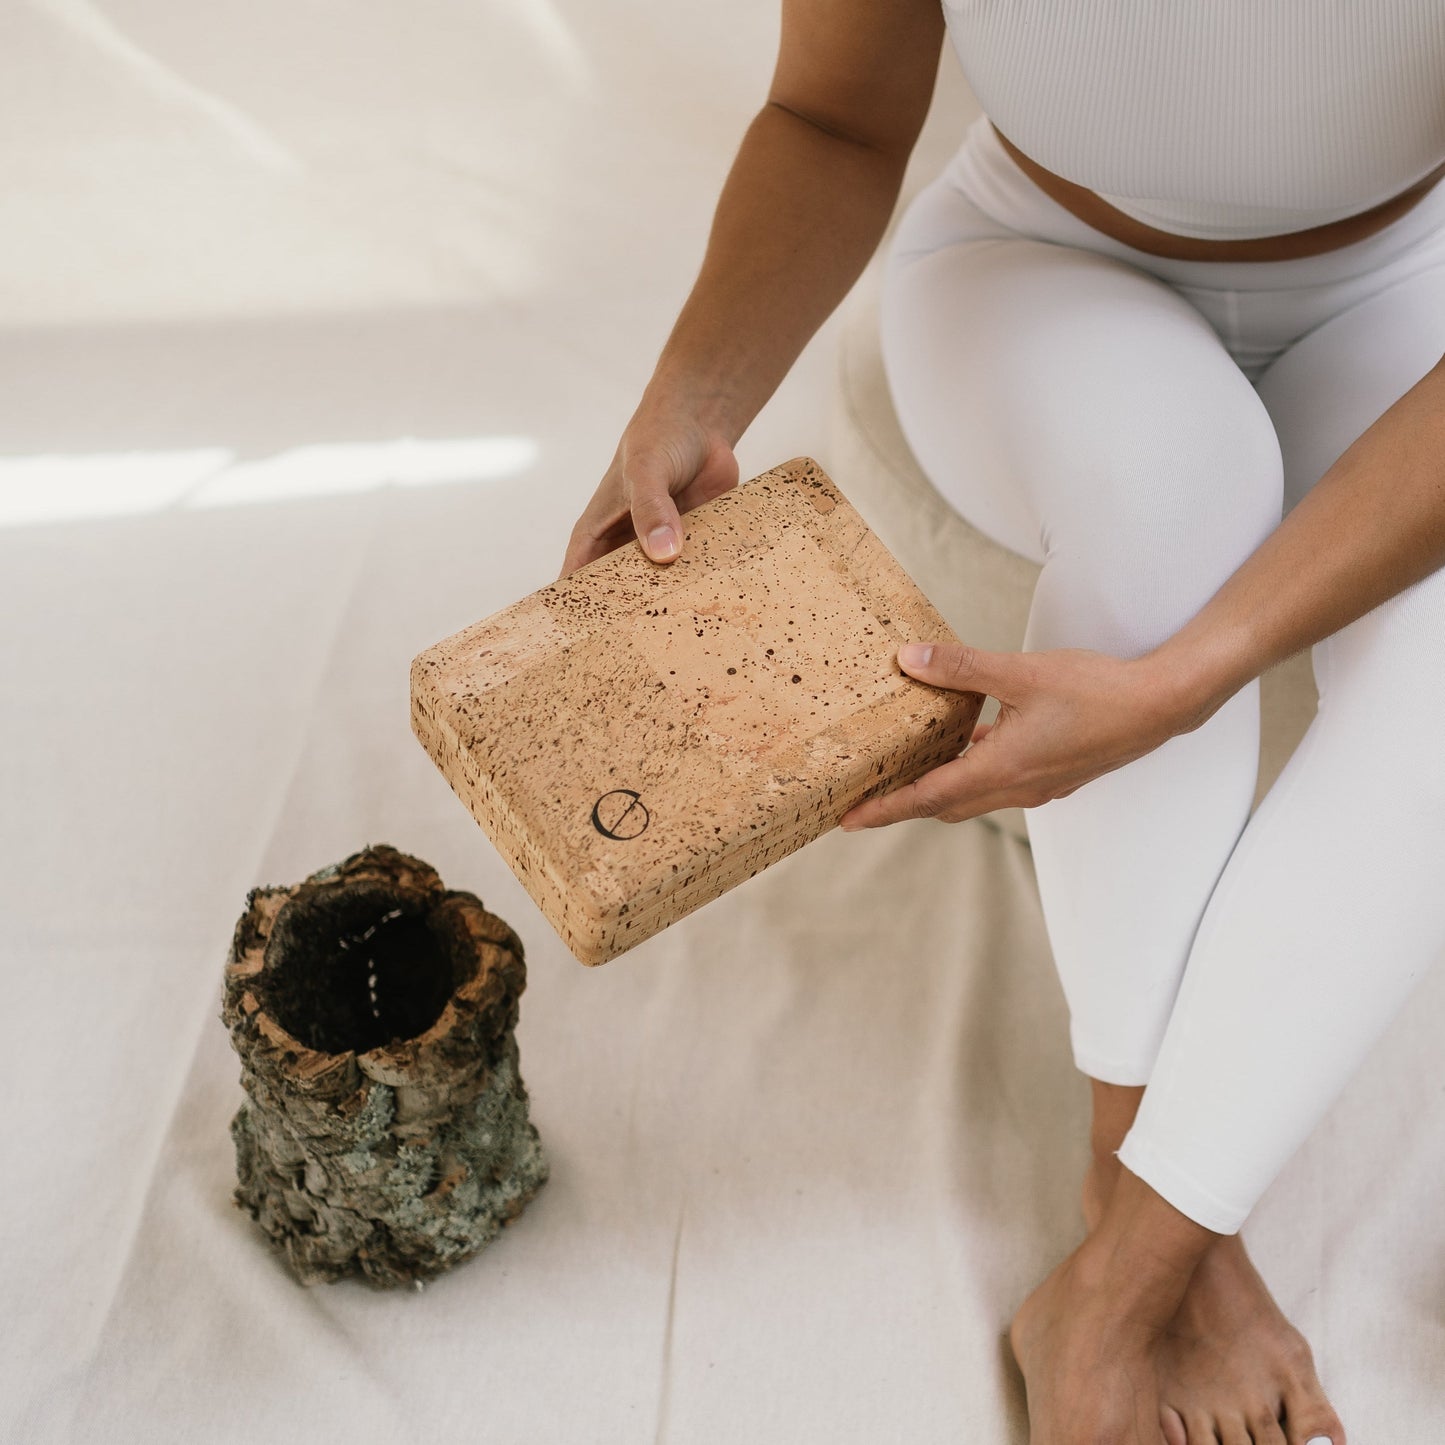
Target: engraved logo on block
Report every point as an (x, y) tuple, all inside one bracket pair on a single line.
[(620, 814)]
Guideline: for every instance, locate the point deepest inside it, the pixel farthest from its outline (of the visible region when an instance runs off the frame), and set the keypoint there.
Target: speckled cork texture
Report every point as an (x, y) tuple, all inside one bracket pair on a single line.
[(638, 737)]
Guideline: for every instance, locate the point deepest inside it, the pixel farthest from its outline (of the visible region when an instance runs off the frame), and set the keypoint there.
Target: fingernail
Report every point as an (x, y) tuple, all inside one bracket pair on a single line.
[(1319, 1440), (915, 654), (849, 827), (662, 542)]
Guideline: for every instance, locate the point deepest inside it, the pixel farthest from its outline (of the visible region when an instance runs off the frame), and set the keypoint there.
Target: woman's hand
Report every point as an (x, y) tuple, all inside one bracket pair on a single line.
[(1065, 717), (667, 462)]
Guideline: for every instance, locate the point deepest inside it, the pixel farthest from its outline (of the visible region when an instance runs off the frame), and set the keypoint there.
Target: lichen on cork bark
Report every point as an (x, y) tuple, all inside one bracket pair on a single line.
[(385, 1130)]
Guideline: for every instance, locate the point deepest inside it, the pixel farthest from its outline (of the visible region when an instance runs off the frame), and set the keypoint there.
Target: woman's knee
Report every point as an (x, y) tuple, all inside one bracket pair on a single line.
[(1160, 509), (1086, 415)]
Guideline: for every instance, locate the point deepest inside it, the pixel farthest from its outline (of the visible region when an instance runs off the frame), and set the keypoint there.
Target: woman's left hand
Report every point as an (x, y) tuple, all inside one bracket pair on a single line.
[(1065, 717)]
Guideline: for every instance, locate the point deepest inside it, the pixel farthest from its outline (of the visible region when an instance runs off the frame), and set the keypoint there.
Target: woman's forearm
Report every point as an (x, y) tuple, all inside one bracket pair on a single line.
[(1370, 527), (798, 218)]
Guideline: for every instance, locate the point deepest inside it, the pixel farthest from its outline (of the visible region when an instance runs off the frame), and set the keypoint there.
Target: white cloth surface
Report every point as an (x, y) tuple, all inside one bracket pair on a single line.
[(810, 1146)]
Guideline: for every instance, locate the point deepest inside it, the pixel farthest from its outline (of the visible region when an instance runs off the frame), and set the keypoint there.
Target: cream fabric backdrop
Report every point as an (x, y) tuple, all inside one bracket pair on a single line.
[(809, 1147)]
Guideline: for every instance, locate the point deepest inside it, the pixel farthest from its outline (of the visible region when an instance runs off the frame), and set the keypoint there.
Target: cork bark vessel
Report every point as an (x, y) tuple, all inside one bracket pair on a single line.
[(637, 738), (384, 1131)]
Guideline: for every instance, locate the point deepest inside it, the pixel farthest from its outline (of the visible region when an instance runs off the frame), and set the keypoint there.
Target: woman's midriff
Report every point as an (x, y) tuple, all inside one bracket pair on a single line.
[(1093, 210)]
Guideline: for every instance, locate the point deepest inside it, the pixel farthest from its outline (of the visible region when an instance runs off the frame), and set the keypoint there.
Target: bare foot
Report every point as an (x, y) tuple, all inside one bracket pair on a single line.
[(1087, 1339), (1090, 1373), (1231, 1367)]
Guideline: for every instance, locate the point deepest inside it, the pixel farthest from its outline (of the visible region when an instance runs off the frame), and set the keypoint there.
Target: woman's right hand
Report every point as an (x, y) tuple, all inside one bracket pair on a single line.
[(667, 462)]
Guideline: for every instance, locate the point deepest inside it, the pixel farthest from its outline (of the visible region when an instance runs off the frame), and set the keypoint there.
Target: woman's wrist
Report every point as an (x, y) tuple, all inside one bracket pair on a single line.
[(680, 396), (1194, 673)]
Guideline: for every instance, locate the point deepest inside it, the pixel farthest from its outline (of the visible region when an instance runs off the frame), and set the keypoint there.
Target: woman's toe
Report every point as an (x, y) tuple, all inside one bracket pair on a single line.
[(1200, 1428), (1231, 1430), (1309, 1420), (1171, 1422), (1265, 1429)]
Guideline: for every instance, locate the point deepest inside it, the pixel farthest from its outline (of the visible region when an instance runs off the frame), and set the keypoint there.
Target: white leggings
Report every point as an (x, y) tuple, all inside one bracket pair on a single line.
[(1138, 426)]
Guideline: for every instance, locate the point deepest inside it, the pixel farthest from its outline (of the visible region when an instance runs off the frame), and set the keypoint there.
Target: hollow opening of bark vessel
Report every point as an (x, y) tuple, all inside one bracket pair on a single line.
[(356, 969)]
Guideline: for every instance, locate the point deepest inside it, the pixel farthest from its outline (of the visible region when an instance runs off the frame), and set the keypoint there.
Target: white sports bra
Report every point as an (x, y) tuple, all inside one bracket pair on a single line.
[(1215, 118)]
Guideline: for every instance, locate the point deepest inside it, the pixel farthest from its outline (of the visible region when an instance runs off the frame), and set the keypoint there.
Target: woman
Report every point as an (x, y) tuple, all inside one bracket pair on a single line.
[(1170, 323)]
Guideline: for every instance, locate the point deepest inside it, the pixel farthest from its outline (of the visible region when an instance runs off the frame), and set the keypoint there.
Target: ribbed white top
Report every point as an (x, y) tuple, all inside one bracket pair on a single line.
[(1215, 118)]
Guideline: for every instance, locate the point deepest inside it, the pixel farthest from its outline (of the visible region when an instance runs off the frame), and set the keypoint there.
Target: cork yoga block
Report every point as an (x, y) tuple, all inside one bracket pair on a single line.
[(638, 737)]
